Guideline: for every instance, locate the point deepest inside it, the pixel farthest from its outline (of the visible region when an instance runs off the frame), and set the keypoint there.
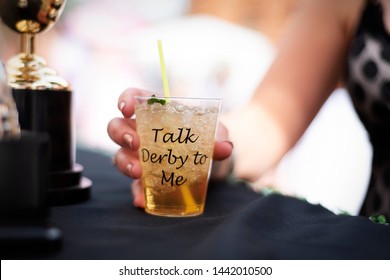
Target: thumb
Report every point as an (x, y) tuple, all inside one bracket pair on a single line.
[(223, 145)]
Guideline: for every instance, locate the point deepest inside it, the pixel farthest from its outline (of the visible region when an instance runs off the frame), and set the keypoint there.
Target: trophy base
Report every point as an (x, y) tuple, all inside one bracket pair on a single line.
[(69, 187), (49, 111), (23, 177)]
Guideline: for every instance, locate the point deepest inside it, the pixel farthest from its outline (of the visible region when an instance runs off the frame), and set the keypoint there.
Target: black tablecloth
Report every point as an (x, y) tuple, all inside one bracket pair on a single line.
[(237, 224)]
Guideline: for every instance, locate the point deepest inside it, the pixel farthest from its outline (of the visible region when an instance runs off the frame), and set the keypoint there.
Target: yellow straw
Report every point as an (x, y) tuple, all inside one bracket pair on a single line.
[(163, 71)]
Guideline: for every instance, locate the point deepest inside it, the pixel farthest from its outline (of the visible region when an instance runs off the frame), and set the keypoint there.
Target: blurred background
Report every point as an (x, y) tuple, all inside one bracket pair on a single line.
[(219, 48)]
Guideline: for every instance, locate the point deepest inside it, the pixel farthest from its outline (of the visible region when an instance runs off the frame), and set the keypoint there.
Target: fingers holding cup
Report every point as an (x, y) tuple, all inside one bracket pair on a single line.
[(127, 162)]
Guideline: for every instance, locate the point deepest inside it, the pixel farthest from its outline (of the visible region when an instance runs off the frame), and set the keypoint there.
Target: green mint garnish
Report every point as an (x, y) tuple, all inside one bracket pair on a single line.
[(154, 99), (379, 219)]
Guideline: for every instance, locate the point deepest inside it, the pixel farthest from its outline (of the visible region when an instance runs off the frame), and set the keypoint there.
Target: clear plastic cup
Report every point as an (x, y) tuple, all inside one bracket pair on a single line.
[(177, 140)]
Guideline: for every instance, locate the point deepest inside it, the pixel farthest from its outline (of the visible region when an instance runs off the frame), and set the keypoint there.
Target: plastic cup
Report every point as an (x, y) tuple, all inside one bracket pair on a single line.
[(177, 141)]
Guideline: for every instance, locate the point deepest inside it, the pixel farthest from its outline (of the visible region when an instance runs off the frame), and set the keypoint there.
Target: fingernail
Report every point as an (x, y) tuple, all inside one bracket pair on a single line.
[(113, 161), (128, 140), (122, 105), (230, 143), (129, 167)]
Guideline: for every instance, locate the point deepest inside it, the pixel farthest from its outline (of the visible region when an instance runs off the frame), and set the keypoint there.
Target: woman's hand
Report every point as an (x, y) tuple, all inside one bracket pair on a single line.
[(123, 132)]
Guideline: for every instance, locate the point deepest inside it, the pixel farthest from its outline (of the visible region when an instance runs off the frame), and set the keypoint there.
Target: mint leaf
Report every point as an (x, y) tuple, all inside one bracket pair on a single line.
[(154, 99), (379, 219)]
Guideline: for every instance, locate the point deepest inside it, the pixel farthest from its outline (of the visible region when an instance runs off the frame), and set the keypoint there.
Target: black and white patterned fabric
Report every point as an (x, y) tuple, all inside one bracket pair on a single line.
[(368, 82)]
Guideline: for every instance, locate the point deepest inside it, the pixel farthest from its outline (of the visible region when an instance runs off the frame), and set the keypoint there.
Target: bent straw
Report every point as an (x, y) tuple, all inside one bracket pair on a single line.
[(163, 71)]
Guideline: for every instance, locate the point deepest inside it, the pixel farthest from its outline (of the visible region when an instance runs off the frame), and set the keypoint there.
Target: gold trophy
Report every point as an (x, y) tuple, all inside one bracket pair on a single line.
[(43, 99)]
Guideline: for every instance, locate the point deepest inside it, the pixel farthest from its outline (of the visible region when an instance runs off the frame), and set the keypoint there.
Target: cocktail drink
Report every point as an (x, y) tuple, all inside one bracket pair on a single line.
[(177, 140)]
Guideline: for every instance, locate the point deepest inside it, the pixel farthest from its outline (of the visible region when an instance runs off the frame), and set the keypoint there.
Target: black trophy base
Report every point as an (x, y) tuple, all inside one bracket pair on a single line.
[(69, 187), (49, 111), (23, 177)]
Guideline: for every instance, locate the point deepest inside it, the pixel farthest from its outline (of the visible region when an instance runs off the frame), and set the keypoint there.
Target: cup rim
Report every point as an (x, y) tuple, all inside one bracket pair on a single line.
[(179, 97)]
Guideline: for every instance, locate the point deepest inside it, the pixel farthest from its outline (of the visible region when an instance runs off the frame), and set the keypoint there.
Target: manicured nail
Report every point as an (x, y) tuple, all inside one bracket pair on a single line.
[(129, 167), (122, 105), (230, 143), (128, 140)]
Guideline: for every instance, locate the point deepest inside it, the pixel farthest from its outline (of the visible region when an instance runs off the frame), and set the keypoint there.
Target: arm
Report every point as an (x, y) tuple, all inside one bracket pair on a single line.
[(307, 68)]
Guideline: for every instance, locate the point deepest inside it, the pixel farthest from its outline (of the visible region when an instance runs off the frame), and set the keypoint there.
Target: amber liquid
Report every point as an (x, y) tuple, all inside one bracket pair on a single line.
[(176, 154)]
